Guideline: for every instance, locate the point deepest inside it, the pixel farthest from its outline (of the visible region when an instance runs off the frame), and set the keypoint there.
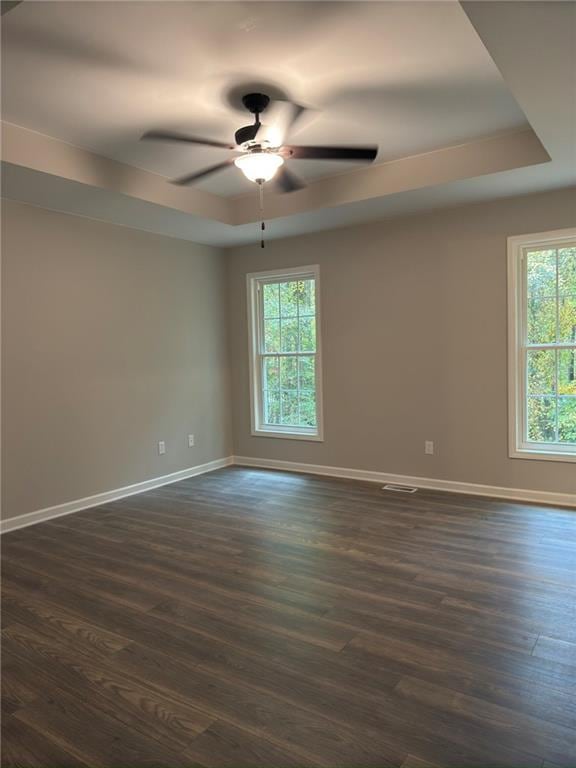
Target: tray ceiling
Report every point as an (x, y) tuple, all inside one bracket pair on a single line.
[(408, 76)]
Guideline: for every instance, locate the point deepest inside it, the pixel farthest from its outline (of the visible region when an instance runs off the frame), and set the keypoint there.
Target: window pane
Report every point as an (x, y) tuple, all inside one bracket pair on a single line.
[(541, 372), (541, 321), (567, 419), (567, 318), (542, 419), (289, 404), (271, 335), (272, 407), (288, 299), (567, 372), (541, 273), (289, 372), (567, 271), (307, 373), (307, 298), (308, 408), (271, 373), (307, 334), (289, 340), (271, 300)]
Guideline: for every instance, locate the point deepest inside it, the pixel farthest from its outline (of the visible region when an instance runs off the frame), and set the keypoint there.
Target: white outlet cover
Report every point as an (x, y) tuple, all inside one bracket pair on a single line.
[(161, 447), (190, 441), (428, 447)]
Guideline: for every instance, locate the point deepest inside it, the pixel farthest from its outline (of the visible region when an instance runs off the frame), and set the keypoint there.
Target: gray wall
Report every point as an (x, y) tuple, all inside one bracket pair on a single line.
[(414, 342), (113, 339)]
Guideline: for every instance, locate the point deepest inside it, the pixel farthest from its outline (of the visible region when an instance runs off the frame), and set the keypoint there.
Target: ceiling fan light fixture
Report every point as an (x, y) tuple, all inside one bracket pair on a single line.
[(259, 166)]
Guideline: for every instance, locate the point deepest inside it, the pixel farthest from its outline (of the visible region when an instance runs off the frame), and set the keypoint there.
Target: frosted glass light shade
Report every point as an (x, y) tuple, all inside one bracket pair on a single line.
[(259, 166)]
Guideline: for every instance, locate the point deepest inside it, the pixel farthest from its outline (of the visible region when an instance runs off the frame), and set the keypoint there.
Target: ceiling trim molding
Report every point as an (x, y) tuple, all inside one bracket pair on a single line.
[(30, 149), (478, 158), (45, 154)]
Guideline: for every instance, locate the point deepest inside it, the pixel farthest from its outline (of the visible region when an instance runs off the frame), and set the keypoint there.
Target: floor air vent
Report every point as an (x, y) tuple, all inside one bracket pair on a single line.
[(399, 488)]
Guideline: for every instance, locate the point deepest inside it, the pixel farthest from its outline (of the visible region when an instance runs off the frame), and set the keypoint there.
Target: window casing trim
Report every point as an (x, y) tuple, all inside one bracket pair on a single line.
[(253, 280), (518, 447)]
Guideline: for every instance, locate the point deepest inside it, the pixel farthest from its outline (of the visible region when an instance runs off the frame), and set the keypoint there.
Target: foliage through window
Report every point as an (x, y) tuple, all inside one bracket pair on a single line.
[(285, 353), (546, 338)]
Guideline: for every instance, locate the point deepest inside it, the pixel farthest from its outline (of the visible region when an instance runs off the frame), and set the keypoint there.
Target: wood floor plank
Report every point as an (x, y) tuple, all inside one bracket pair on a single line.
[(261, 618), (373, 709), (313, 738), (224, 745), (23, 745), (509, 727), (15, 692), (94, 738), (557, 650), (551, 623), (433, 626), (541, 672), (415, 762), (142, 708), (172, 577), (296, 624), (510, 685), (67, 625)]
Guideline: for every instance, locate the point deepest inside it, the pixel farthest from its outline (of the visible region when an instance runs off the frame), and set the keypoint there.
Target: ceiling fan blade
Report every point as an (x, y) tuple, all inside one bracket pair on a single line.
[(191, 177), (333, 153), (171, 136), (297, 111), (288, 181), (281, 118)]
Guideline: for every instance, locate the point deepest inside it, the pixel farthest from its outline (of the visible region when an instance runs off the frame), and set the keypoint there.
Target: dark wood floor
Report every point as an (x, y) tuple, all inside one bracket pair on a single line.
[(250, 617)]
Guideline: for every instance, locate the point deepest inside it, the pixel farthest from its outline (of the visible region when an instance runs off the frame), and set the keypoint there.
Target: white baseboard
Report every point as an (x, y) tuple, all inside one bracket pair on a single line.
[(22, 521), (516, 494), (452, 486)]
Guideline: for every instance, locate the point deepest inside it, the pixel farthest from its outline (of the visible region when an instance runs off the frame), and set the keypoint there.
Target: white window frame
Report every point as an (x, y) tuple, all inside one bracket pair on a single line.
[(519, 446), (255, 334)]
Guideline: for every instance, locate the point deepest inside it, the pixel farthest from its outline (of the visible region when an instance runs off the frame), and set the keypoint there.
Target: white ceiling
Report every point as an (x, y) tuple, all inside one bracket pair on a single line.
[(408, 76)]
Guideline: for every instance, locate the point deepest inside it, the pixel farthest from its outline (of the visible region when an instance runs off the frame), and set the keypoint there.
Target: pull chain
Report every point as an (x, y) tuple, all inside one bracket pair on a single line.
[(262, 225)]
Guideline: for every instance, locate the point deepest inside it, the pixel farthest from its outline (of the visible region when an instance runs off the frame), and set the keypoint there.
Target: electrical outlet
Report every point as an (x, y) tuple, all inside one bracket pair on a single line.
[(428, 447), (190, 441), (161, 447)]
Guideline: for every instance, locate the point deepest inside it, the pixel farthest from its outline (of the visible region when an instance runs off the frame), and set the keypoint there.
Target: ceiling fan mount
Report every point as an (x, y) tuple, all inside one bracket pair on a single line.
[(256, 102), (262, 148)]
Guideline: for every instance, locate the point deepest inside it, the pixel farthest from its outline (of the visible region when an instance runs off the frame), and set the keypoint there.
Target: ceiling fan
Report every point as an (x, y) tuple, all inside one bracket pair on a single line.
[(262, 148)]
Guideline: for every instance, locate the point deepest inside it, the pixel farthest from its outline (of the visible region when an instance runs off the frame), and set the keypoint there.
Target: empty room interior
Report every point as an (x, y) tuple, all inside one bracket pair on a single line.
[(288, 384)]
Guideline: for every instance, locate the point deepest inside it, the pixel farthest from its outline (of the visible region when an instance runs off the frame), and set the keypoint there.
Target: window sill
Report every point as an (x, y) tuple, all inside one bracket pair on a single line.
[(311, 436), (542, 455)]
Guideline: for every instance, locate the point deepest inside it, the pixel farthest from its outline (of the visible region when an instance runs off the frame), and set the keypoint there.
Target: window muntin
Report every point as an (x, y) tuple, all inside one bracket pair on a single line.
[(543, 372), (285, 354)]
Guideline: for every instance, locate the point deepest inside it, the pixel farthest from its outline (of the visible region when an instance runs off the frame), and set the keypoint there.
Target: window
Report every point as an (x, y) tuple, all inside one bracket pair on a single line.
[(285, 353), (542, 345)]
